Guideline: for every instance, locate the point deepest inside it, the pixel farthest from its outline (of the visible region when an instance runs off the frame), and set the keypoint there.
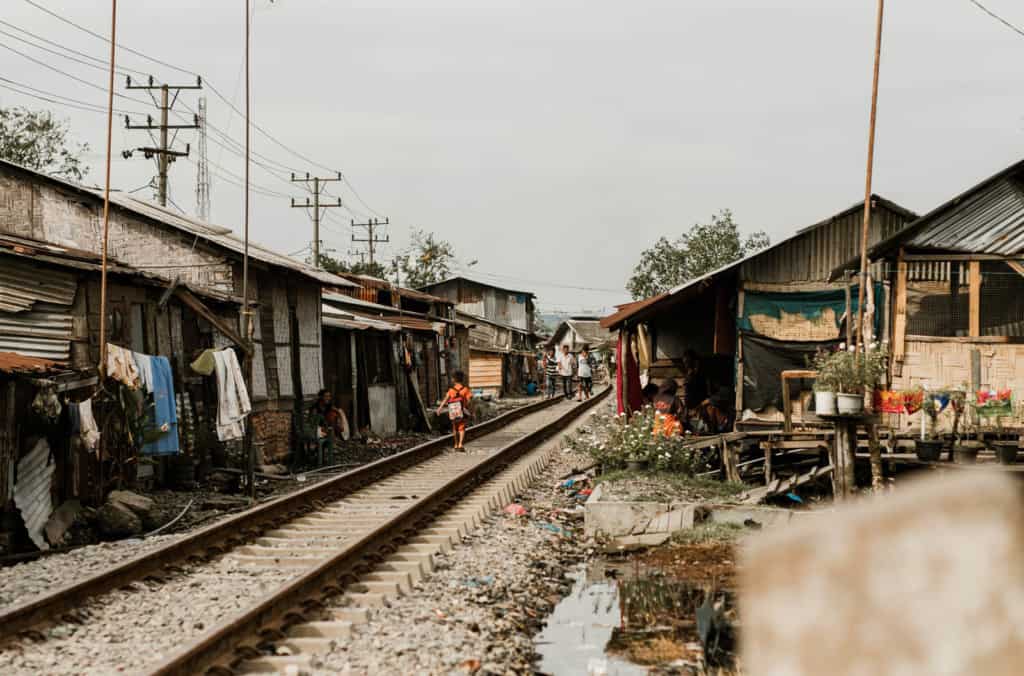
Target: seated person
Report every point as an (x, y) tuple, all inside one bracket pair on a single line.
[(329, 421), (667, 410)]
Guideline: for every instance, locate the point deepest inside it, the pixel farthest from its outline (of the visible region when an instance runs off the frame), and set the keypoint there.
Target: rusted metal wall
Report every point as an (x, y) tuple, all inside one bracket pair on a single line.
[(814, 254)]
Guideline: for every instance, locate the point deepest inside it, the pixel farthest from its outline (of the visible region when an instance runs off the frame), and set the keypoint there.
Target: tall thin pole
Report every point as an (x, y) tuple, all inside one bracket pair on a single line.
[(106, 194), (251, 460), (867, 186), (316, 222), (162, 161)]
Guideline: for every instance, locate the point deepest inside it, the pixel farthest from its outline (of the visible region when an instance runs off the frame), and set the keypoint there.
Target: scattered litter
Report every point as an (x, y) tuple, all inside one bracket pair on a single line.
[(301, 478), (515, 510), (470, 666), (485, 581), (794, 497)]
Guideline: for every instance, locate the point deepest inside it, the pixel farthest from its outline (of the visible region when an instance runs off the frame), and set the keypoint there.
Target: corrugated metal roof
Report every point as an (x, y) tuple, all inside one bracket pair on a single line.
[(990, 221), (631, 309), (223, 237), (987, 218), (11, 362), (23, 285), (478, 282), (340, 320), (35, 310), (32, 492)]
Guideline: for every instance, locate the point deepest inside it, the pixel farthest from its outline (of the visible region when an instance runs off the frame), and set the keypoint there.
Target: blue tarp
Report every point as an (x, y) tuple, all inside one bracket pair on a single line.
[(809, 304)]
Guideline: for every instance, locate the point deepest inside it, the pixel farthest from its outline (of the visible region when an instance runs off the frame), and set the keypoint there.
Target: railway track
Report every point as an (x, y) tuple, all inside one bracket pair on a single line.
[(295, 574)]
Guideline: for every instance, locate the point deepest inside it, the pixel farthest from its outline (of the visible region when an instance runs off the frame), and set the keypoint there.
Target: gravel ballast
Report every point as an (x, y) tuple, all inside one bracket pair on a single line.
[(487, 599)]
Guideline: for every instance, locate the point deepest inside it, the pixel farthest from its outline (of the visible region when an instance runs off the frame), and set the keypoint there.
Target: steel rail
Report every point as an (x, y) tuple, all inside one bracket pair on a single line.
[(222, 648), (237, 529)]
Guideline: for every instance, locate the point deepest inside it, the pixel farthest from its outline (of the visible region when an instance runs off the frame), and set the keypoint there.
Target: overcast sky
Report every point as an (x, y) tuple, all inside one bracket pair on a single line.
[(553, 141)]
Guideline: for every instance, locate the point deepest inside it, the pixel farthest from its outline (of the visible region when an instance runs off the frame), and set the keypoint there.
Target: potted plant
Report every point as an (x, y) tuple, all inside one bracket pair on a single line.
[(929, 448), (826, 383), (849, 382), (965, 451)]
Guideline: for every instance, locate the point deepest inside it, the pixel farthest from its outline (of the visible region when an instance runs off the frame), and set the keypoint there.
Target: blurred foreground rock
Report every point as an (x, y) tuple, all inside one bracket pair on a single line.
[(923, 581)]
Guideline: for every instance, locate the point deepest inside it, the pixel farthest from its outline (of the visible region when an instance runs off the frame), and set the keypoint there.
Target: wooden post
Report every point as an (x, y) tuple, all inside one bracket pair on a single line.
[(787, 406), (875, 452), (849, 315), (731, 456), (974, 296), (899, 336), (768, 448), (843, 453)]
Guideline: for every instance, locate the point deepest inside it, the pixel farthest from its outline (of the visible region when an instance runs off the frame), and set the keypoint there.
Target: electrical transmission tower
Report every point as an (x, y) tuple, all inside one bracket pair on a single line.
[(371, 239), (162, 151), (202, 168), (317, 182)]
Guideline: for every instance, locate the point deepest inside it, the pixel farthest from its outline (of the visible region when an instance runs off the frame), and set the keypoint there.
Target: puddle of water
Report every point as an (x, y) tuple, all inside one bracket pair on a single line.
[(574, 640)]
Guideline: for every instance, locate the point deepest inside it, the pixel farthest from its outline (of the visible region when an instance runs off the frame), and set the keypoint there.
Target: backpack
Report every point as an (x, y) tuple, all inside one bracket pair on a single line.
[(455, 408)]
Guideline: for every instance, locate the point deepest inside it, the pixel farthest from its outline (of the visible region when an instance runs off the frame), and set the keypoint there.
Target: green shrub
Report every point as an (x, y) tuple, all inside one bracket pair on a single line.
[(614, 441)]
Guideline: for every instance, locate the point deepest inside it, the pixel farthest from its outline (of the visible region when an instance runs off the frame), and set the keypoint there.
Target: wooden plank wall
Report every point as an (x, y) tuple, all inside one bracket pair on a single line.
[(485, 370)]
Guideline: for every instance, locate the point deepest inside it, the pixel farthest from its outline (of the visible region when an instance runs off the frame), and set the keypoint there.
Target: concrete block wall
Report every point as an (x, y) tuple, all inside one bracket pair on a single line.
[(272, 434)]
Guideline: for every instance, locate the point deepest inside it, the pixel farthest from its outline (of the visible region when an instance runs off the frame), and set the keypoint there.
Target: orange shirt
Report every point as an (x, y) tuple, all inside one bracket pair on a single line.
[(463, 393)]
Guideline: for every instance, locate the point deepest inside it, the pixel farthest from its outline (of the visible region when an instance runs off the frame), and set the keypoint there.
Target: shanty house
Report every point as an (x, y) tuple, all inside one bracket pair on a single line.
[(406, 351), (745, 323), (958, 291), (501, 340), (49, 351), (287, 364)]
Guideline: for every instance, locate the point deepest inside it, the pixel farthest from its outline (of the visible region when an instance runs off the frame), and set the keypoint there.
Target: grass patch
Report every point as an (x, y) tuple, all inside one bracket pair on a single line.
[(670, 486), (709, 533)]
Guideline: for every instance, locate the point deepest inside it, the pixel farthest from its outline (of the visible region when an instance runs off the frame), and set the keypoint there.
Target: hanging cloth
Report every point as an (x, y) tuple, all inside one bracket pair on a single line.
[(205, 364), (145, 366), (163, 416), (627, 377), (233, 403), (87, 426), (643, 344), (121, 366)]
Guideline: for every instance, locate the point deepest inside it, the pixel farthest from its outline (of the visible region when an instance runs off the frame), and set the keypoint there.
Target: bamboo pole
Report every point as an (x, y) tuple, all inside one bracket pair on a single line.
[(247, 444), (106, 196), (867, 182)]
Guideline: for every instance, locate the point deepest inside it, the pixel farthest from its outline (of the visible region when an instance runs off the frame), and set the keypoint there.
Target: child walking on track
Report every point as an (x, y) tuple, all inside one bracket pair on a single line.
[(457, 403)]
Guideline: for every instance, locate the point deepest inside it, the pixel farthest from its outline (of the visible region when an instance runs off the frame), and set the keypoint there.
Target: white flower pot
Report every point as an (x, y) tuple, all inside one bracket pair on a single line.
[(849, 404), (825, 403)]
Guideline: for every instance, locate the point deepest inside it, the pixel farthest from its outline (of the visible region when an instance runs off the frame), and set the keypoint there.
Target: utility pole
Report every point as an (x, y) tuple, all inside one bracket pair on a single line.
[(202, 168), (371, 239), (161, 150), (317, 183)]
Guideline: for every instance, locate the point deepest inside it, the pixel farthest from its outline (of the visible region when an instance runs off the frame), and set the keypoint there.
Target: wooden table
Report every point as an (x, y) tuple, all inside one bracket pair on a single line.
[(843, 452)]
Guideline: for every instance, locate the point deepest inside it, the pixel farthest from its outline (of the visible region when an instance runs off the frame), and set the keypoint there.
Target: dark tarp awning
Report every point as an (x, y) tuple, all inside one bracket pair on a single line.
[(764, 360)]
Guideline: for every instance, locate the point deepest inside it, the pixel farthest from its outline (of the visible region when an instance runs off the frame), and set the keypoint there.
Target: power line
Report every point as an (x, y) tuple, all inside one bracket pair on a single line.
[(1015, 29), (217, 92), (107, 40), (121, 69)]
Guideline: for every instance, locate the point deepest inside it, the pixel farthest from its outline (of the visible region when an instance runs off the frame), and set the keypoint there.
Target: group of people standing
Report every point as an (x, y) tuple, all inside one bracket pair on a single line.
[(564, 367)]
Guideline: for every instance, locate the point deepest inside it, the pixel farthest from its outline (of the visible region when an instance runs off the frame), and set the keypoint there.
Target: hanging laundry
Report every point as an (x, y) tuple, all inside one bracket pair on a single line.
[(87, 425), (233, 403), (144, 364), (164, 415), (46, 403), (121, 365), (205, 364)]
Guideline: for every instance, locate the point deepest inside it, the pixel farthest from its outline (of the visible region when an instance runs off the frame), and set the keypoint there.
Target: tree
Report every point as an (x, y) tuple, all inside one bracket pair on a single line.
[(39, 141), (427, 261), (706, 247), (338, 266)]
